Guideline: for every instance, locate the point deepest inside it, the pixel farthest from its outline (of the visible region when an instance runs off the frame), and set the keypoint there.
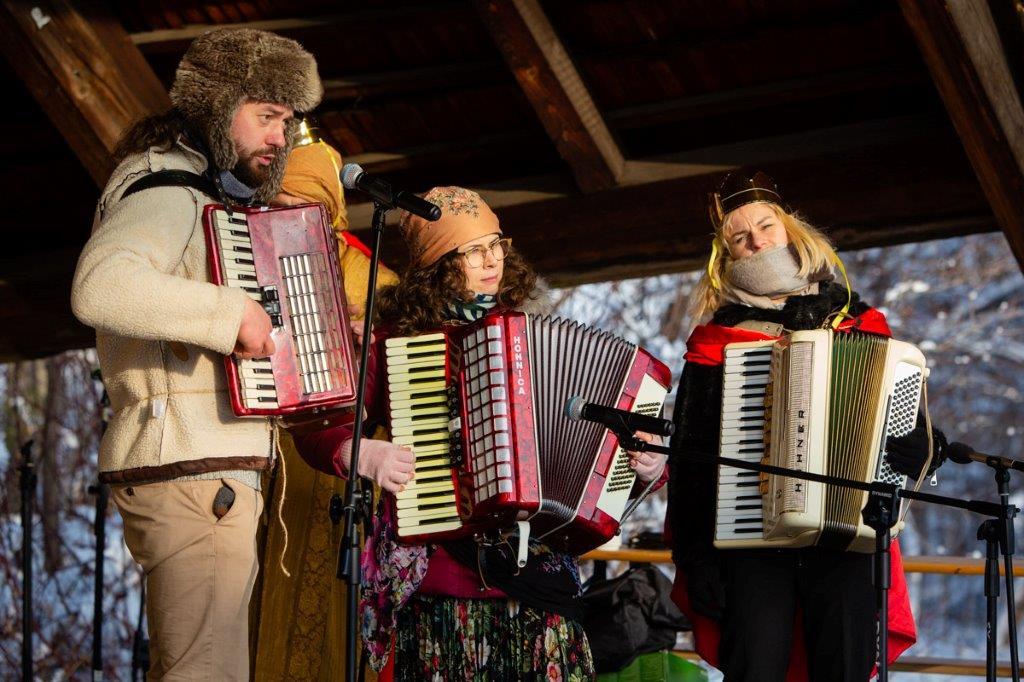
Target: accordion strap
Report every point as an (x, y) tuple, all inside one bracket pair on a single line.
[(761, 327), (172, 178)]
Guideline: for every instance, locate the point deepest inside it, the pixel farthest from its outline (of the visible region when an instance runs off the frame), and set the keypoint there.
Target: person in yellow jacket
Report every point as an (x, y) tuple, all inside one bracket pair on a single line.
[(298, 608)]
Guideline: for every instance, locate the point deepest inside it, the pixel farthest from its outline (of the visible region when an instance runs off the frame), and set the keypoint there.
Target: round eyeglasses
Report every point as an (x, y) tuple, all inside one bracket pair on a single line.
[(475, 256)]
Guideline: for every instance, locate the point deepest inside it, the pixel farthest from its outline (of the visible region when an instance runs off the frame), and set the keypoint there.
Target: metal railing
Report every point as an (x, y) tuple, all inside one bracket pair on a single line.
[(941, 565)]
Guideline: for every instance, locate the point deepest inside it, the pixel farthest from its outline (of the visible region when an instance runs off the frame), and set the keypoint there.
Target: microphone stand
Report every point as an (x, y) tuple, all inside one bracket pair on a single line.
[(880, 513), (998, 535), (99, 529), (357, 499), (28, 489)]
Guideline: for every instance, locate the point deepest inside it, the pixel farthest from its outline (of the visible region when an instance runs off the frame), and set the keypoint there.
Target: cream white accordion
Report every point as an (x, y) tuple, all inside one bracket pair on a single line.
[(819, 402)]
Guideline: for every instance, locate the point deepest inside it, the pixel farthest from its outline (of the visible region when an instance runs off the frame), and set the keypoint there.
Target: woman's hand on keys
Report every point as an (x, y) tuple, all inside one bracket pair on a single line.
[(388, 465)]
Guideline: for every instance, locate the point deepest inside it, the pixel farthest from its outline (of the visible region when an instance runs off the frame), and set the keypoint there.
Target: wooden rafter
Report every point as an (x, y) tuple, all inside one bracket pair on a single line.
[(81, 67), (964, 53), (551, 83)]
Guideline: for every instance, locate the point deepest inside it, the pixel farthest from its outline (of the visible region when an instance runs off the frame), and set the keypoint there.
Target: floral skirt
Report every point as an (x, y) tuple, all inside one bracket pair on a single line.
[(443, 638)]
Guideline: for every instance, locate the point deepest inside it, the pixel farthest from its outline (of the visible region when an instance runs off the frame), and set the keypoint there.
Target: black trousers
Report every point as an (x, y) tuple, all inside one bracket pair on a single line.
[(764, 589)]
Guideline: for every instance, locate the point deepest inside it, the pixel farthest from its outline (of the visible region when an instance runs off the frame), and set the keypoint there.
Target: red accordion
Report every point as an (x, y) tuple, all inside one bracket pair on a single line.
[(483, 408), (286, 260)]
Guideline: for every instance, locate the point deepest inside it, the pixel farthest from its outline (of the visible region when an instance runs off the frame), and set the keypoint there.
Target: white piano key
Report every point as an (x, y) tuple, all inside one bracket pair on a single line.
[(413, 518), (417, 502), (414, 341), (233, 267), (428, 528)]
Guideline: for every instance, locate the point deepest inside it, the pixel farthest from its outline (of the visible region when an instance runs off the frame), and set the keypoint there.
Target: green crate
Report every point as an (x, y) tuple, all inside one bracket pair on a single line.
[(657, 667)]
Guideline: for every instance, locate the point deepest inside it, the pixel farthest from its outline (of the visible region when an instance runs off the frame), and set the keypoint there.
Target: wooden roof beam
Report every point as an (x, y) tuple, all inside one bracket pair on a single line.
[(962, 48), (553, 86), (79, 64)]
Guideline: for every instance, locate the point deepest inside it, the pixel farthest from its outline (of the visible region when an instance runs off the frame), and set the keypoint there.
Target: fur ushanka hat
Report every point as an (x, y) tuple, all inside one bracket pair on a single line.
[(224, 68)]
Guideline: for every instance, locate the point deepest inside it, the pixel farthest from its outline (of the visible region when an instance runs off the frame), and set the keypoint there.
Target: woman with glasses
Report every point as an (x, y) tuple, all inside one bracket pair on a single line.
[(427, 611)]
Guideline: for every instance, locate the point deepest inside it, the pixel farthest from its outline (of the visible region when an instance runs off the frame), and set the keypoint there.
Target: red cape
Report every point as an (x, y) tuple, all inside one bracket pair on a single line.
[(705, 346)]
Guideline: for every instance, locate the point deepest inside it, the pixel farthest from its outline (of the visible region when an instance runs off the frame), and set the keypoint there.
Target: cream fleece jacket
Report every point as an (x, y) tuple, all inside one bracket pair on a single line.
[(162, 331)]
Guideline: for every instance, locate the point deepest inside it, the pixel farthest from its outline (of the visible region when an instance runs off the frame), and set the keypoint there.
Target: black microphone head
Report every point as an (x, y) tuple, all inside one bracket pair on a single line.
[(434, 212), (574, 408), (959, 452), (350, 172)]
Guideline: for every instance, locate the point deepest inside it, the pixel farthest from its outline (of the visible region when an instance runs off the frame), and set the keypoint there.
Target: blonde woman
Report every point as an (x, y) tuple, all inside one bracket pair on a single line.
[(771, 271)]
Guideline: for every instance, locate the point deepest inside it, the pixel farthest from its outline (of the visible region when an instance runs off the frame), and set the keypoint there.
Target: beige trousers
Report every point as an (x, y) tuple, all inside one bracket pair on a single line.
[(199, 571)]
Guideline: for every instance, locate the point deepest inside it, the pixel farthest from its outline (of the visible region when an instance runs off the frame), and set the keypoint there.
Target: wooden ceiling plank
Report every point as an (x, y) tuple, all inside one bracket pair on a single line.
[(707, 163), (439, 153), (407, 81), (167, 38), (553, 86), (963, 51), (80, 66), (902, 180), (808, 89)]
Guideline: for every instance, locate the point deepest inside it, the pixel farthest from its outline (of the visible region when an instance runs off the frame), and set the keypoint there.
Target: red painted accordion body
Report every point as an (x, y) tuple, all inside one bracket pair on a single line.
[(285, 259), (515, 455)]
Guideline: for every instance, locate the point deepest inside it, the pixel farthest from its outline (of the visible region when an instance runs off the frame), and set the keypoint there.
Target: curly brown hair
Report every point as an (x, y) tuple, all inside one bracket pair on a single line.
[(418, 303)]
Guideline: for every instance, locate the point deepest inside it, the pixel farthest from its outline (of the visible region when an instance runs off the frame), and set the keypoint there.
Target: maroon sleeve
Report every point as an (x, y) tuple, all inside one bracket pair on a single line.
[(663, 479), (321, 448)]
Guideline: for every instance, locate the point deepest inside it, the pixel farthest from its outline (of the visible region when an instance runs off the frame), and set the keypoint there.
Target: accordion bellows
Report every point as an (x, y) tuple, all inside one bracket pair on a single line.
[(819, 402), (483, 407)]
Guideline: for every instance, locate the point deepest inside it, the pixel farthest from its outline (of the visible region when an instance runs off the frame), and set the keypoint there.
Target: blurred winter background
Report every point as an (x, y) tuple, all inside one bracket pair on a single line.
[(961, 300)]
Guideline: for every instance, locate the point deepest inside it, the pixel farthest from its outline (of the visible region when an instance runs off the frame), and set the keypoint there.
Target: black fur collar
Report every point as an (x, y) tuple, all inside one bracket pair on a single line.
[(800, 312)]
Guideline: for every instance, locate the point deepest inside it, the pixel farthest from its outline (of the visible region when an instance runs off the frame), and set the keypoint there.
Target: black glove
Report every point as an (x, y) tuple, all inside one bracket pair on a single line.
[(906, 454), (704, 585)]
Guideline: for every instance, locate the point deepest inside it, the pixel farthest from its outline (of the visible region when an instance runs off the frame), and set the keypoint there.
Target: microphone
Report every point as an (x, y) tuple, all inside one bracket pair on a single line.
[(961, 453), (354, 177), (576, 408)]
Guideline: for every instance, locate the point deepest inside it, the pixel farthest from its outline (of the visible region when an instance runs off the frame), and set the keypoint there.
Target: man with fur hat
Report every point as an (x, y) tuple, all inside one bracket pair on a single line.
[(185, 472)]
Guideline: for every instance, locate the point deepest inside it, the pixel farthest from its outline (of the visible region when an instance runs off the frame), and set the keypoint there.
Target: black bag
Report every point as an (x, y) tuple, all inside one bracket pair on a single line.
[(630, 615)]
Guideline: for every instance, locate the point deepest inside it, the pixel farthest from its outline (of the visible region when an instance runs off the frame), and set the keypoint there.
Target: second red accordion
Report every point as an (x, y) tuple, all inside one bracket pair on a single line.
[(483, 408)]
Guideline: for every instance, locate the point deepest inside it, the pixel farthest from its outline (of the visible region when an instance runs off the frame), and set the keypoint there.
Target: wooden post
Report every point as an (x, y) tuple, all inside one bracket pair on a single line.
[(82, 68)]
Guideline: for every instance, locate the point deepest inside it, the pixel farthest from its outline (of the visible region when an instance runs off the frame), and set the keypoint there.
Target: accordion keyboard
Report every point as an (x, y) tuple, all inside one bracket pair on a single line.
[(740, 509), (418, 404), (256, 375)]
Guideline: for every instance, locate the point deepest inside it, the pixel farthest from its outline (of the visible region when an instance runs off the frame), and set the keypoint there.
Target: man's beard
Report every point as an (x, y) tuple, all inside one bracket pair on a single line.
[(251, 172)]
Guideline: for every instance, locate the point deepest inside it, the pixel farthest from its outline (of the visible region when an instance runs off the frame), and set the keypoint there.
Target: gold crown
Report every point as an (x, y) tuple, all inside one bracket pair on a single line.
[(739, 189), (307, 133)]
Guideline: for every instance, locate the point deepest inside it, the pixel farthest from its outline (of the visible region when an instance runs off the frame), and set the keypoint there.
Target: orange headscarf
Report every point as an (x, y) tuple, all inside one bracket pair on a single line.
[(464, 217)]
